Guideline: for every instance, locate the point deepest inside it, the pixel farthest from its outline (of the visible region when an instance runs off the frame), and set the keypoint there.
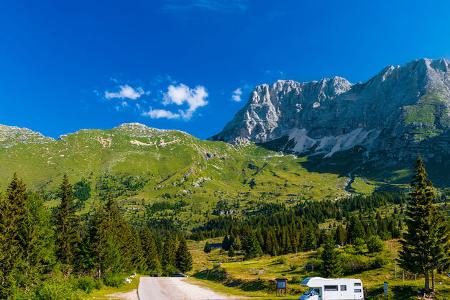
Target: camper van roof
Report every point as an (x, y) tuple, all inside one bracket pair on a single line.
[(319, 281)]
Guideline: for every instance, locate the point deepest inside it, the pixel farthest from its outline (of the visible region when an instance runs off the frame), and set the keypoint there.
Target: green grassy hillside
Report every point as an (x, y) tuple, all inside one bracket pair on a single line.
[(169, 167)]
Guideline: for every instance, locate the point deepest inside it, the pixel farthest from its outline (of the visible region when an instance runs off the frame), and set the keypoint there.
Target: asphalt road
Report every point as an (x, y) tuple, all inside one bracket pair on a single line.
[(174, 288)]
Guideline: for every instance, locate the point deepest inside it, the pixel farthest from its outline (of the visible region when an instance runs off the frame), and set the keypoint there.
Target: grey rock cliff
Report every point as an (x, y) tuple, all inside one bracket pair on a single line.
[(398, 113)]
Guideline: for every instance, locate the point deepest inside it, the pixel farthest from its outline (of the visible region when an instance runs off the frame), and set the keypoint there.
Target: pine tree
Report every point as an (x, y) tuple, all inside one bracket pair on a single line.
[(150, 251), (231, 252), (425, 244), (113, 240), (251, 246), (355, 229), (169, 253), (26, 239), (271, 245), (237, 243), (67, 226), (331, 263), (13, 215), (341, 235), (183, 257)]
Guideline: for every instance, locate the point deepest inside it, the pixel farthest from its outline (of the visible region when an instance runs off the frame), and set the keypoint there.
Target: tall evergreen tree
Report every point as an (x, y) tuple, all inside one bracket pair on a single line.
[(425, 244), (26, 239), (13, 215), (341, 235), (150, 251), (169, 253), (251, 246), (331, 266), (183, 257), (67, 226)]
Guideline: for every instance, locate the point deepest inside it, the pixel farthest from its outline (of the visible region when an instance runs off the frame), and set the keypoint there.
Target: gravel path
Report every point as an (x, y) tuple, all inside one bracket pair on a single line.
[(174, 288)]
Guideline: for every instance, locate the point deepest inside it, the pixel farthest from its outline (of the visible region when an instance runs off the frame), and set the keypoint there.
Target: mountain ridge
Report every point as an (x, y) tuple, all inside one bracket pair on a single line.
[(399, 107)]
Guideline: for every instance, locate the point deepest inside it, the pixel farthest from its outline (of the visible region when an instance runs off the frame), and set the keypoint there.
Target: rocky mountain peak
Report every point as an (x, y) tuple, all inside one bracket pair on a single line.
[(12, 135), (330, 115)]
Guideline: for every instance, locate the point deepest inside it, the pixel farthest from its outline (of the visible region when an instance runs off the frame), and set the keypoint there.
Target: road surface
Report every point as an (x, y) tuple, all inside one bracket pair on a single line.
[(174, 288)]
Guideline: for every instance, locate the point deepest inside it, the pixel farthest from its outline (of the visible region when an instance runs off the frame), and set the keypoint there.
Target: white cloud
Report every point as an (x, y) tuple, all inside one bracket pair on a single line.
[(125, 92), (181, 94), (161, 114), (237, 95)]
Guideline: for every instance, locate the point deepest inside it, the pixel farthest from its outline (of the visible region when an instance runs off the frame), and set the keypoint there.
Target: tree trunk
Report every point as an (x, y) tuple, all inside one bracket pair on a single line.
[(427, 281), (432, 280)]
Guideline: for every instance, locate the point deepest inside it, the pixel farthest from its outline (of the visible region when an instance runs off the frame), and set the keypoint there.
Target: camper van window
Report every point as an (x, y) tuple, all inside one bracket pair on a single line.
[(357, 284), (357, 290), (330, 287), (343, 287)]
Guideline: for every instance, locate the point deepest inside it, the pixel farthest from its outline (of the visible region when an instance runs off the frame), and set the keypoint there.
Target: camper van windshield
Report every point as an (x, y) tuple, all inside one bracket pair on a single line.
[(312, 292)]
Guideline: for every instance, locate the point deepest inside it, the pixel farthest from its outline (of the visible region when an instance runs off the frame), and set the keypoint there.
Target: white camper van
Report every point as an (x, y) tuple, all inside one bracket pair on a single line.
[(332, 289)]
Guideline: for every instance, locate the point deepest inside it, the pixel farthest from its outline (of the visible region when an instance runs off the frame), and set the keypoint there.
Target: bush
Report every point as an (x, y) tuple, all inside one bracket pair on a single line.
[(114, 280), (281, 260), (296, 280), (293, 267), (378, 262), (352, 264), (88, 284), (359, 245), (374, 244), (57, 290)]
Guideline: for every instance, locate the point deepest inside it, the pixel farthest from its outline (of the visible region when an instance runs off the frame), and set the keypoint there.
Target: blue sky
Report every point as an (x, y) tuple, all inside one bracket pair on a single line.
[(191, 64)]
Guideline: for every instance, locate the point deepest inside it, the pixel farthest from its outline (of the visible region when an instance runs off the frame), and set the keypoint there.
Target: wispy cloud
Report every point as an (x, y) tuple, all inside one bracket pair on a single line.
[(125, 92), (227, 6), (161, 114), (237, 95)]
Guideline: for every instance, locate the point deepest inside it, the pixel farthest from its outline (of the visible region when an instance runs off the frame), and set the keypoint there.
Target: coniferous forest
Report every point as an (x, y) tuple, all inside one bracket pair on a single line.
[(44, 253)]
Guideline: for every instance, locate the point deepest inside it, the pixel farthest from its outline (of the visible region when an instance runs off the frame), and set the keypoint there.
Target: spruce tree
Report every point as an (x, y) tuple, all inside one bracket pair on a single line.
[(67, 226), (150, 251), (355, 229), (237, 243), (331, 266), (169, 253), (231, 252), (183, 257), (425, 243), (26, 239), (13, 215), (251, 246), (341, 235)]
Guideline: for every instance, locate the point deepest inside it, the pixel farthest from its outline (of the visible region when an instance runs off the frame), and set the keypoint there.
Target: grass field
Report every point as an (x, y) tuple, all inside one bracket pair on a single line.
[(254, 278)]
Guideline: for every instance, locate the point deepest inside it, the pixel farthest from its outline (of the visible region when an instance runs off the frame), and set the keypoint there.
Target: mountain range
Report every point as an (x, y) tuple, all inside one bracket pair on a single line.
[(389, 120)]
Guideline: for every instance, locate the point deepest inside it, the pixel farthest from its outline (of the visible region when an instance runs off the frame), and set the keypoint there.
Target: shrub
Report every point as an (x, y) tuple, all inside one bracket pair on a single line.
[(296, 280), (355, 263), (88, 284), (374, 244), (293, 267), (114, 280), (378, 262), (359, 245), (57, 290), (281, 260)]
